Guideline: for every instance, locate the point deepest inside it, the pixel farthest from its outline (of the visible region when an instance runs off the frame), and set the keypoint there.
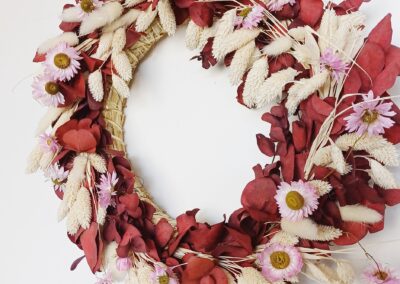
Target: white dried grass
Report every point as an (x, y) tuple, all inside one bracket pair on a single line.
[(71, 15), (34, 158), (192, 35), (240, 62), (131, 3), (122, 65), (96, 87), (302, 89), (254, 80), (120, 86), (124, 21), (70, 38), (278, 46), (100, 17), (104, 46), (119, 40), (167, 16), (51, 115), (233, 41), (284, 238), (308, 229), (322, 187), (381, 175), (360, 214), (251, 275), (226, 24), (338, 160), (98, 163), (75, 179), (145, 19)]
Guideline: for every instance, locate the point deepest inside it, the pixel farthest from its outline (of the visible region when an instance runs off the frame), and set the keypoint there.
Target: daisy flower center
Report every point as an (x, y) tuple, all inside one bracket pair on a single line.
[(370, 116), (52, 88), (245, 12), (381, 275), (163, 279), (57, 181), (294, 200), (87, 6), (62, 61), (280, 259)]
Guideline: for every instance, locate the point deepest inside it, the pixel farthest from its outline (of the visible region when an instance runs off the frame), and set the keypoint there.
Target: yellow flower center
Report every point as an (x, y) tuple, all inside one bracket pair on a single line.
[(370, 116), (62, 61), (245, 12), (57, 181), (49, 141), (280, 259), (87, 6), (163, 279), (294, 200), (381, 275), (52, 88)]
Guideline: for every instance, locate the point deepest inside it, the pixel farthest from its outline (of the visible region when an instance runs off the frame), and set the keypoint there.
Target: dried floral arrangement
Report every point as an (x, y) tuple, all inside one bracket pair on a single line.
[(332, 139)]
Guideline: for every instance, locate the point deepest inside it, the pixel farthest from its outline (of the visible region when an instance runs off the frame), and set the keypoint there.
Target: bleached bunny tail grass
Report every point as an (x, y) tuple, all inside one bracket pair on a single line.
[(381, 175), (63, 118), (322, 187), (323, 156), (34, 158), (119, 40), (254, 80), (167, 16), (302, 89), (95, 82), (140, 273), (69, 38), (298, 33), (71, 15), (80, 213), (309, 230), (192, 35), (377, 146), (345, 272), (272, 88), (284, 238), (328, 27), (251, 275), (110, 262), (120, 86), (101, 215), (278, 46), (338, 160), (226, 44), (75, 179), (122, 22), (360, 214), (98, 163), (240, 62), (226, 24), (63, 210), (206, 34), (145, 19), (104, 46), (131, 3), (122, 65), (51, 115), (101, 17), (46, 160), (316, 273)]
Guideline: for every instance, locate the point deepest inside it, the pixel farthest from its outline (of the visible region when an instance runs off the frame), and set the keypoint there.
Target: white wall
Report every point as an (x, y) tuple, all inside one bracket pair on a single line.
[(189, 139)]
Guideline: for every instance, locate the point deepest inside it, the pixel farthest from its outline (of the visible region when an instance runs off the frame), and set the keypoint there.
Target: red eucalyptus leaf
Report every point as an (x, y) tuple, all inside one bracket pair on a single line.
[(299, 136), (386, 79), (91, 63), (184, 3), (80, 141), (75, 264), (393, 134), (382, 33), (352, 84), (89, 245), (288, 163), (348, 6), (163, 232), (39, 57), (352, 233), (371, 61), (201, 14), (258, 199), (73, 90), (131, 203), (197, 268), (266, 146), (311, 11), (392, 196)]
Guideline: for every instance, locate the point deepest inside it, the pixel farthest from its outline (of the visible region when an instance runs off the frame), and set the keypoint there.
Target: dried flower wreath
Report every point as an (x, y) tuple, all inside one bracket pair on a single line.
[(333, 133)]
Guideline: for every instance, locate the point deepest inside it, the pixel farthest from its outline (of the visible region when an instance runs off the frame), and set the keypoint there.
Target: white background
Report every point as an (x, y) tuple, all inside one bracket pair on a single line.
[(189, 139)]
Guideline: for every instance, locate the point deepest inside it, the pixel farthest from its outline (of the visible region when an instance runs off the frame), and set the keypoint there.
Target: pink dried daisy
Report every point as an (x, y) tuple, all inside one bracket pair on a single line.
[(296, 200), (277, 5), (62, 62), (163, 275), (47, 91), (280, 262), (380, 275), (370, 116), (48, 143), (124, 263), (332, 62), (106, 188), (58, 176), (88, 6), (250, 17)]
